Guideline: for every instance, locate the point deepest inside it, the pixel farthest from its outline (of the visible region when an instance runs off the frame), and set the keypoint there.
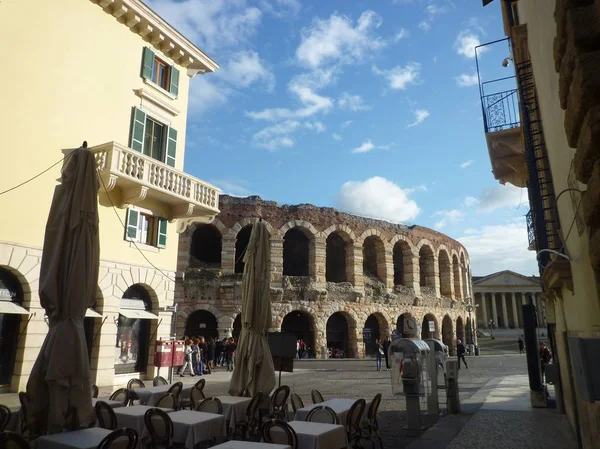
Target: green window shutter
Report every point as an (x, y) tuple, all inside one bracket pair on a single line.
[(161, 242), (138, 129), (174, 84), (147, 63), (132, 224), (171, 147)]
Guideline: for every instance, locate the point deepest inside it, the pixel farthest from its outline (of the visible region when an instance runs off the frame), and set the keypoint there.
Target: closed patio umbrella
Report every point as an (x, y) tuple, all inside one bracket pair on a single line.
[(60, 378), (254, 369)]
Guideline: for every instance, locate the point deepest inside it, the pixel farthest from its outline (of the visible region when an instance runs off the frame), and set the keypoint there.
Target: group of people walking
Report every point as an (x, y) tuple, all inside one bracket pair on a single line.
[(201, 355)]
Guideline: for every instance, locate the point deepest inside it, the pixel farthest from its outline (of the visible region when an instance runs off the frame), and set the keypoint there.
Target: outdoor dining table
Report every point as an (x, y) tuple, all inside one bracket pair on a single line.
[(151, 395), (340, 406), (234, 409), (315, 435), (111, 404), (133, 417), (233, 444), (191, 427), (79, 439)]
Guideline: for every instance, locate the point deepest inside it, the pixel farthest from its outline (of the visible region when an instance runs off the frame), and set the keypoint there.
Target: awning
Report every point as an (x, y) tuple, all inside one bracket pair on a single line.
[(11, 308), (138, 314), (91, 313)]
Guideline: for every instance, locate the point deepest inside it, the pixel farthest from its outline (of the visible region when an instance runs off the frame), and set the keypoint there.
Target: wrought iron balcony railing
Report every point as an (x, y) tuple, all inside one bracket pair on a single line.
[(500, 109), (530, 229)]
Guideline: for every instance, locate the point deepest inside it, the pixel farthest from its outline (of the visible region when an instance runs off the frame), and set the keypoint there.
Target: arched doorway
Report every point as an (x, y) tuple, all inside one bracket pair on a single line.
[(237, 327), (376, 327), (241, 243), (460, 329), (11, 298), (301, 325), (201, 323), (448, 333), (337, 333), (426, 327), (296, 252), (205, 248), (335, 258), (400, 323), (426, 267)]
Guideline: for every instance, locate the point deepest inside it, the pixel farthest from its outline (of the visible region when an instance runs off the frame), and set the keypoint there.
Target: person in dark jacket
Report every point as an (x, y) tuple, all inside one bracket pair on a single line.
[(218, 352), (386, 347), (210, 354), (231, 347), (521, 345), (460, 352)]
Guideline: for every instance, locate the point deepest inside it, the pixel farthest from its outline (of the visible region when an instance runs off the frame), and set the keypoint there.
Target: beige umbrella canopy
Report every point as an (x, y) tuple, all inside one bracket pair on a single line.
[(60, 378), (254, 369)]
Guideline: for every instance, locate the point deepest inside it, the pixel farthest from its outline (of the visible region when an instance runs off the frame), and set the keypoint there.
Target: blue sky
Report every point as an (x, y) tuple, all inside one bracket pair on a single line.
[(368, 106)]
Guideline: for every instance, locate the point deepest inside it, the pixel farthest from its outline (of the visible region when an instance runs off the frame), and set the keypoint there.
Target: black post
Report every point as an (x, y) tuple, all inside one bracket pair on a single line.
[(532, 348)]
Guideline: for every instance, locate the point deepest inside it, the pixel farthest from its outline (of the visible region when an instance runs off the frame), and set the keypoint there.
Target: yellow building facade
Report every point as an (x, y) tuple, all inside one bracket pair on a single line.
[(116, 75), (551, 148)]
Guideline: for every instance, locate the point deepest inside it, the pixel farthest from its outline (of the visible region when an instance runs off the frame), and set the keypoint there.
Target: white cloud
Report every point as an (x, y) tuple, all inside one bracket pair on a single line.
[(336, 39), (470, 201), (346, 124), (211, 24), (500, 247), (205, 94), (466, 80), (465, 164), (281, 8), (424, 26), (434, 10), (448, 216), (399, 78), (377, 197), (336, 136), (233, 187), (402, 34), (245, 68), (501, 196), (364, 148), (316, 126), (419, 188), (465, 44), (349, 102), (276, 136), (420, 116)]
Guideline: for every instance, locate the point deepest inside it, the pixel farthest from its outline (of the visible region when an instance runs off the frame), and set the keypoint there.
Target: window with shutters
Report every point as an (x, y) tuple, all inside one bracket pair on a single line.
[(146, 229), (159, 72), (153, 138)]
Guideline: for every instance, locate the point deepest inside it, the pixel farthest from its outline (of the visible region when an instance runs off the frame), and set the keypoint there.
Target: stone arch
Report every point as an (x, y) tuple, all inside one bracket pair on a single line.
[(460, 329), (458, 294), (448, 332), (298, 249), (206, 244), (426, 264), (380, 329), (374, 254), (339, 253), (402, 255), (201, 323), (237, 227), (340, 333), (242, 238), (445, 272), (302, 324), (400, 322), (425, 332), (310, 230)]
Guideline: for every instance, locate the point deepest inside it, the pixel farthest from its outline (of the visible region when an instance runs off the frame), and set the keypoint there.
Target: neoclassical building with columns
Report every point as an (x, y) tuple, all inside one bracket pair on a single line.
[(333, 276), (499, 296)]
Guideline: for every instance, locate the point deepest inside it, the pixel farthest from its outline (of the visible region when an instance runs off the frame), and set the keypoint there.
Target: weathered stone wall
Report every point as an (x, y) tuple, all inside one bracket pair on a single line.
[(362, 295)]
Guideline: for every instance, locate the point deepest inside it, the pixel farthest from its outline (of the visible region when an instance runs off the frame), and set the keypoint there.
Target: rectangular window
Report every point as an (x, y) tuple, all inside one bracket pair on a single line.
[(160, 73), (146, 229), (154, 139)]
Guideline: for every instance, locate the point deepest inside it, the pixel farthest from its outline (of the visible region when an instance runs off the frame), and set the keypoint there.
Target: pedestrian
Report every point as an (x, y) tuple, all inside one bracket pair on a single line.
[(223, 352), (203, 349), (218, 350), (386, 348), (231, 347), (545, 358), (196, 356), (302, 349), (210, 354), (460, 352), (298, 349), (188, 359), (521, 344), (378, 354)]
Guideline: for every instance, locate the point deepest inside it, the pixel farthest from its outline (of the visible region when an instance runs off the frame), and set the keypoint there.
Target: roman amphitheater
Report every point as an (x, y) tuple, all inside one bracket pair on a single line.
[(333, 276)]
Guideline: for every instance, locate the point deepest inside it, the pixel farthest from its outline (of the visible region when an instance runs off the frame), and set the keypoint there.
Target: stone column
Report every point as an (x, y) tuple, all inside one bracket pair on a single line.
[(515, 311), (319, 261), (494, 309), (436, 277), (225, 326), (387, 268), (228, 253), (411, 273), (359, 281), (504, 312), (483, 306), (276, 261)]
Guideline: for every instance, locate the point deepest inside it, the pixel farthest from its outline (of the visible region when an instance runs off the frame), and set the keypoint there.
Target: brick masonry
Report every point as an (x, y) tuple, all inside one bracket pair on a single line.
[(441, 261)]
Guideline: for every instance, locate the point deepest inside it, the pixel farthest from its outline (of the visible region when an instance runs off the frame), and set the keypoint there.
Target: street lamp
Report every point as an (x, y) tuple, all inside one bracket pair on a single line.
[(470, 307), (173, 310)]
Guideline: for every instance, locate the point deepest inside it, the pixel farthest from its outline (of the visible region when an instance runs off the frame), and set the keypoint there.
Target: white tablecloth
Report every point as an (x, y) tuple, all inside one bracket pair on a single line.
[(151, 395), (133, 417), (314, 435), (80, 439), (191, 427), (340, 406), (112, 404), (249, 445), (234, 409)]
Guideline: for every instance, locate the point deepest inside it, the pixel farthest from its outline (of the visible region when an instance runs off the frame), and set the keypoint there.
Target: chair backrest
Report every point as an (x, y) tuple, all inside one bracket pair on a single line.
[(105, 415), (135, 383), (280, 396), (159, 426), (323, 414), (276, 431), (316, 397), (167, 400), (95, 391), (196, 396), (296, 402), (210, 405), (158, 381), (5, 415), (12, 440), (355, 415), (200, 384), (124, 438), (175, 389), (373, 408), (121, 395)]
